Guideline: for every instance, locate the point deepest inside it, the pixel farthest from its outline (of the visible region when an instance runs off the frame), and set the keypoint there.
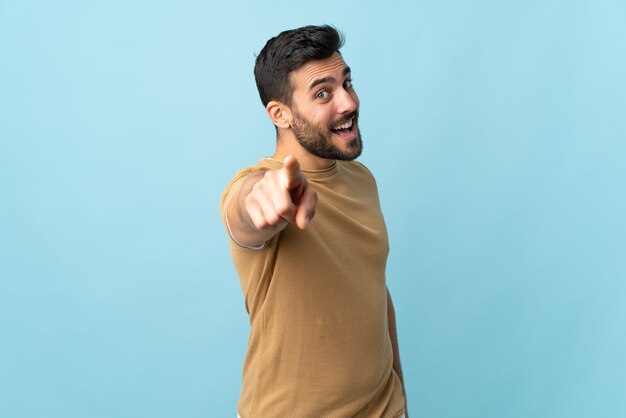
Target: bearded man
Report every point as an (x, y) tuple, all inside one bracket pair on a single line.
[(310, 246)]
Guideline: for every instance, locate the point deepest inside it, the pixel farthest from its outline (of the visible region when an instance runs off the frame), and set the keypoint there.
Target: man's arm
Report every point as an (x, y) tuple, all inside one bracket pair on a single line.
[(267, 201), (391, 314)]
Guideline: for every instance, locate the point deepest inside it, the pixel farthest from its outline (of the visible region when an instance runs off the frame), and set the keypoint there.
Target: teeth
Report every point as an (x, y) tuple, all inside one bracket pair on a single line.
[(346, 125)]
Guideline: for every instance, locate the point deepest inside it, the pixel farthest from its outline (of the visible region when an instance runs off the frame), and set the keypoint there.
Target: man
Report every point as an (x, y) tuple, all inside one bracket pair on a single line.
[(323, 337)]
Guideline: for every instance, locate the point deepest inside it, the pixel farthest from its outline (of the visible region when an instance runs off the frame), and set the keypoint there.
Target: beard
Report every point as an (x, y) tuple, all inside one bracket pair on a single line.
[(318, 141)]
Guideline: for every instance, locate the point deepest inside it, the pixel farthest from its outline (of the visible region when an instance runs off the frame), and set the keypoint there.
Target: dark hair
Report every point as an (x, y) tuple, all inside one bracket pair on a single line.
[(289, 51)]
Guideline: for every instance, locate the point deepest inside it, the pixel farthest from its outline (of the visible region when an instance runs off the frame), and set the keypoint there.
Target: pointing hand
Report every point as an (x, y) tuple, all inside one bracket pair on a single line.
[(281, 196)]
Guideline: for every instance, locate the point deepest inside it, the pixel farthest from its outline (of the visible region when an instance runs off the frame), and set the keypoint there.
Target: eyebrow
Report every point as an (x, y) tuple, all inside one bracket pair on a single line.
[(323, 80)]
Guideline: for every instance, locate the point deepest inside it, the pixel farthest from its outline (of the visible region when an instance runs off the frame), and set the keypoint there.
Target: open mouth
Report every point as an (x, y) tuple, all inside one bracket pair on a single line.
[(344, 129)]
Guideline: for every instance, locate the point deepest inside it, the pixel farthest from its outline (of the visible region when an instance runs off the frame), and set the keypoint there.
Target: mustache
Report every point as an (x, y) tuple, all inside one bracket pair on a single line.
[(346, 118)]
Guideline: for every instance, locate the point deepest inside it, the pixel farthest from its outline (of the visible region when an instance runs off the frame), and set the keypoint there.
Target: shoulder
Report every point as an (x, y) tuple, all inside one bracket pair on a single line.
[(356, 168), (235, 183), (262, 165)]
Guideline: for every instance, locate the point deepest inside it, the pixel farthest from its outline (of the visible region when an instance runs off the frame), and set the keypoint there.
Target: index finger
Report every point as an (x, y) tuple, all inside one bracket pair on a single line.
[(293, 176)]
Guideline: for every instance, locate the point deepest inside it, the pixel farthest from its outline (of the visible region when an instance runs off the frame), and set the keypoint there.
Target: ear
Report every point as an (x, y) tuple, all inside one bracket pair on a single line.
[(279, 113)]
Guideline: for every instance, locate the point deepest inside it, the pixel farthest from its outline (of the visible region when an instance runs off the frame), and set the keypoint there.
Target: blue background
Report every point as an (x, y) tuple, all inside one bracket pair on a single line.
[(497, 134)]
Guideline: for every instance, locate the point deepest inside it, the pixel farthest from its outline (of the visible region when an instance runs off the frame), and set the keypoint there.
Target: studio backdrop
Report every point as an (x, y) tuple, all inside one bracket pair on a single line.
[(496, 132)]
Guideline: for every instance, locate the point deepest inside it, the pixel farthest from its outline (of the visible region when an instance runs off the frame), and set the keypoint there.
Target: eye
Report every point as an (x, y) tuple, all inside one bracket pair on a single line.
[(347, 84), (322, 95)]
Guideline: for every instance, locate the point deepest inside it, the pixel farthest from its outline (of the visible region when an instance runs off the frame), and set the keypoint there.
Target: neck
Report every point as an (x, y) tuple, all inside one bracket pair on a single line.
[(288, 145)]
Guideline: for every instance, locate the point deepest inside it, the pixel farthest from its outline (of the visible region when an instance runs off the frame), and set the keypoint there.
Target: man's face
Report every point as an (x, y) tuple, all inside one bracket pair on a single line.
[(325, 109)]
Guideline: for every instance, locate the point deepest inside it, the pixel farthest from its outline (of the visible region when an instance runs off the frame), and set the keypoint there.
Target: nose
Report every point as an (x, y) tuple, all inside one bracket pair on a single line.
[(347, 101)]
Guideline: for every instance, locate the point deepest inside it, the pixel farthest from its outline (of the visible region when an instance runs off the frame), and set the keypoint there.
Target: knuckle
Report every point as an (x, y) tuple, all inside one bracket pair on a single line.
[(260, 223), (258, 186), (250, 200), (268, 176), (283, 209)]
